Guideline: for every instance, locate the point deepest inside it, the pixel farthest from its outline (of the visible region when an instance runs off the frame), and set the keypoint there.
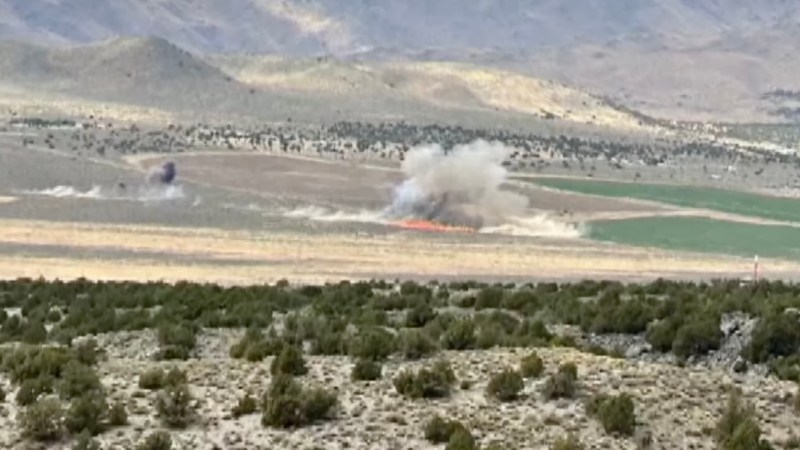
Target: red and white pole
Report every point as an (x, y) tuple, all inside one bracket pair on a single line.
[(755, 269)]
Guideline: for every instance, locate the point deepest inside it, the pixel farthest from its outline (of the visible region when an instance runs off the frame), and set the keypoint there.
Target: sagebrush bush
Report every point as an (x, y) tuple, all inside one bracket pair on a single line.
[(152, 379), (245, 406), (433, 382), (118, 414), (698, 337), (30, 389), (158, 440), (461, 439), (419, 315), (460, 335), (617, 414), (505, 386), (366, 370), (570, 442), (287, 405), (560, 385), (372, 343), (174, 406), (775, 335), (77, 379), (88, 413), (84, 441), (531, 366), (43, 420), (290, 361), (415, 344), (738, 429), (438, 430)]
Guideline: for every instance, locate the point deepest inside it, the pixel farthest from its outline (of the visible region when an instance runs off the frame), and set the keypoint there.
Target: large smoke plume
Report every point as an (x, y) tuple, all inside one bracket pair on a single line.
[(461, 187)]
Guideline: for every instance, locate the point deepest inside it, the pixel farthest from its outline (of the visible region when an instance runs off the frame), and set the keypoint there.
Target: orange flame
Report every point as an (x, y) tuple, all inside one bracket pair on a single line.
[(427, 225)]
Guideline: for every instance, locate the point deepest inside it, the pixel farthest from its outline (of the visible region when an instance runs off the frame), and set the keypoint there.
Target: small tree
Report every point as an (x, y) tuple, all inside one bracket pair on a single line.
[(532, 366), (290, 361), (505, 386)]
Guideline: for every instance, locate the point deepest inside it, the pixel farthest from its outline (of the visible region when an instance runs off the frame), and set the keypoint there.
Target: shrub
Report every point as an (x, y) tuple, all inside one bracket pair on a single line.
[(737, 429), (173, 406), (176, 341), (774, 335), (366, 370), (616, 414), (43, 420), (2, 394), (434, 382), (438, 430), (372, 343), (697, 338), (531, 366), (461, 439), (532, 333), (84, 441), (570, 442), (118, 414), (489, 335), (560, 385), (247, 405), (86, 352), (329, 343), (489, 297), (153, 379), (175, 377), (797, 402), (287, 405), (77, 379), (30, 390), (419, 315), (254, 346), (460, 335), (87, 413), (505, 386), (415, 344), (290, 361), (159, 440)]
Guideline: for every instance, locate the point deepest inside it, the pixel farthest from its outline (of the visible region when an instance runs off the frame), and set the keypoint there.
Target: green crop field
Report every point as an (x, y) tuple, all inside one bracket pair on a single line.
[(702, 235), (727, 201)]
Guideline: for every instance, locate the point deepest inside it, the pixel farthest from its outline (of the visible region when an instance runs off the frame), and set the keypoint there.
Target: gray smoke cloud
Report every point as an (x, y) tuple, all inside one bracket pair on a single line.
[(461, 187)]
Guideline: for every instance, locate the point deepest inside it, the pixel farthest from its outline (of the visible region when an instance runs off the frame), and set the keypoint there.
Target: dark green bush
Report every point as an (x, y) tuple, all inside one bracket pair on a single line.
[(461, 439), (153, 379), (489, 336), (415, 344), (433, 382), (563, 384), (460, 335), (532, 333), (87, 412), (158, 440), (775, 335), (570, 442), (489, 297), (174, 406), (175, 377), (30, 390), (438, 430), (290, 361), (287, 405), (2, 394), (505, 386), (77, 379), (254, 346), (84, 441), (43, 420), (118, 414), (697, 338), (366, 370), (372, 343), (532, 366), (245, 406), (616, 413), (86, 352), (737, 429), (419, 315), (329, 343), (176, 341)]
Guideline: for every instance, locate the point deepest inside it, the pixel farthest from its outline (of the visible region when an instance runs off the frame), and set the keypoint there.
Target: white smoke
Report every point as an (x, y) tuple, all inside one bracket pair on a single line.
[(327, 215), (462, 186), (142, 194)]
